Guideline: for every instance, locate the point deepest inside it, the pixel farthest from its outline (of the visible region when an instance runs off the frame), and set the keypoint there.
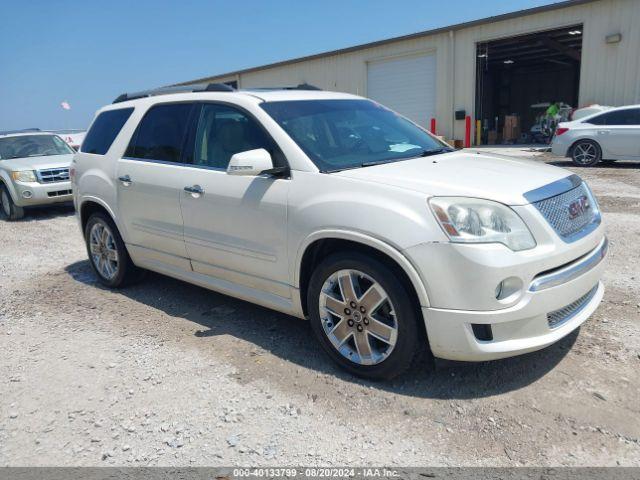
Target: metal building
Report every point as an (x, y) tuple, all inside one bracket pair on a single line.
[(580, 52)]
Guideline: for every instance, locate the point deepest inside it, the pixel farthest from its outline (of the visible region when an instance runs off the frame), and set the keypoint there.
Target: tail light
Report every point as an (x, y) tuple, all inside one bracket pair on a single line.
[(560, 131)]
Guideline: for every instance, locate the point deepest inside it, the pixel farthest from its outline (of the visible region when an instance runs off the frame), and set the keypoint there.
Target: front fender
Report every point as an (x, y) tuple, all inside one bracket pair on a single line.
[(369, 241)]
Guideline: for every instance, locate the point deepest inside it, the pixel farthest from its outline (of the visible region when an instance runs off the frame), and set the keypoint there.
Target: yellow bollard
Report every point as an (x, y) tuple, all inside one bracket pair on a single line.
[(478, 131)]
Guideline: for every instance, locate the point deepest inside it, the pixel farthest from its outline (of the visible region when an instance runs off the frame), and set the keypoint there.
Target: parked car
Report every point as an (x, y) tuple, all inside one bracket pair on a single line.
[(603, 136), (34, 171), (330, 207)]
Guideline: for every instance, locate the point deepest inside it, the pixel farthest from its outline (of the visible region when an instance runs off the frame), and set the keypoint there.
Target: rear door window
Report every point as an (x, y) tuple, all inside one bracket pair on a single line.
[(161, 133), (104, 130)]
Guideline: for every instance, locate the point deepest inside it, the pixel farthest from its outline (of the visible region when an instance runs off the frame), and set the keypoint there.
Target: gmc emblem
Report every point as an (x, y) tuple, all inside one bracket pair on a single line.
[(578, 207)]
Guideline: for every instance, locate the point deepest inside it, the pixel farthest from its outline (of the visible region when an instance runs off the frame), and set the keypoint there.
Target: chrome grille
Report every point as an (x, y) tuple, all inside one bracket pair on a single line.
[(53, 175), (570, 212), (559, 317)]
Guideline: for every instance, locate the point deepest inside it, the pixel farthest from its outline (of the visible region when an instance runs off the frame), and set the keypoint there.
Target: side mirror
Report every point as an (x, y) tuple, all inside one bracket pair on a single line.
[(250, 163)]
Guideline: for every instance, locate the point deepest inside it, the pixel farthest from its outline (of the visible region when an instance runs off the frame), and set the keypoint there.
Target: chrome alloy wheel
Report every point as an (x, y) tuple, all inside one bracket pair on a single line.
[(585, 153), (358, 317), (104, 253), (5, 203)]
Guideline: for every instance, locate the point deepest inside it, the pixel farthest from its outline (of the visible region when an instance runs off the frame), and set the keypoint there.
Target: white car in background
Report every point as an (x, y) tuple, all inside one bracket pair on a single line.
[(34, 171), (603, 136)]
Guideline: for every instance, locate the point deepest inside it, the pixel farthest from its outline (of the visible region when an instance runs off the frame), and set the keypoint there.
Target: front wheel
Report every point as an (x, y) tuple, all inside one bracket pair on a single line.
[(107, 253), (364, 316), (8, 208), (586, 153)]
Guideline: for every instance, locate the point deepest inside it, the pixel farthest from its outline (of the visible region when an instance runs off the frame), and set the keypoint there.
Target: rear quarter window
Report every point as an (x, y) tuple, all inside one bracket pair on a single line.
[(104, 130)]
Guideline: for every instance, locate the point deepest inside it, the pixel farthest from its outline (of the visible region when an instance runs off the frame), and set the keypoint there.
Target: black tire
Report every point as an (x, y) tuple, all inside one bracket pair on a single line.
[(126, 272), (8, 209), (411, 340), (586, 153)]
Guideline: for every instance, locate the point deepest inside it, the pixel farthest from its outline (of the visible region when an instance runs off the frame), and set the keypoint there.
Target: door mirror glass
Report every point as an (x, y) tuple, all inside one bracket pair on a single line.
[(250, 163)]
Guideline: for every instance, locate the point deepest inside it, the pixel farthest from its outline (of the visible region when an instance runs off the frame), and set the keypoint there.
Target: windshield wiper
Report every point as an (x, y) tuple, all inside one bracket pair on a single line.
[(423, 153), (435, 151), (380, 162)]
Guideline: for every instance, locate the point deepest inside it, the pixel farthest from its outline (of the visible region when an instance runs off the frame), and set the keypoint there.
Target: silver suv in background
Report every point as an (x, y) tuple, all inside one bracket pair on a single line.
[(34, 171)]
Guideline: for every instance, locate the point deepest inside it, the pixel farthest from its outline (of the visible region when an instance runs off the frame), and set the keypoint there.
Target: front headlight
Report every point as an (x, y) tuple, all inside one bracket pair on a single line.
[(24, 176), (473, 220)]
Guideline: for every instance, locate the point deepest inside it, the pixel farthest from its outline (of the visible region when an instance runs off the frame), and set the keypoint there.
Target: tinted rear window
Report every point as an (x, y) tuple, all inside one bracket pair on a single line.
[(104, 130), (160, 135)]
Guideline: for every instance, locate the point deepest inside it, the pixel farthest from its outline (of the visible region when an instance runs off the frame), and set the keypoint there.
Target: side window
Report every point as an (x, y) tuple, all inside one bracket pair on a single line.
[(104, 130), (224, 131), (629, 116), (599, 120), (160, 135)]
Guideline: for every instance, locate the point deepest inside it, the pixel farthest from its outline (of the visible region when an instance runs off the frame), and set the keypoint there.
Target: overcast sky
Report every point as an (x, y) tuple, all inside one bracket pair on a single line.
[(87, 52)]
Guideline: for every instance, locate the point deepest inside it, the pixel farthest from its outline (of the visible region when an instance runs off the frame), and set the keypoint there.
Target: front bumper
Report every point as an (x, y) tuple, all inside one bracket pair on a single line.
[(33, 194), (534, 321)]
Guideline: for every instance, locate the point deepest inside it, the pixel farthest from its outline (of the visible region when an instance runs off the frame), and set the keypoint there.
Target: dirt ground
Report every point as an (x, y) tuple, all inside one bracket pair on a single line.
[(165, 373)]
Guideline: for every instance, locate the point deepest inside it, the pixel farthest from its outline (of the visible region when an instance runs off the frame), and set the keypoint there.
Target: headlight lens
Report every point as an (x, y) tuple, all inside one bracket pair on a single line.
[(473, 220), (24, 176)]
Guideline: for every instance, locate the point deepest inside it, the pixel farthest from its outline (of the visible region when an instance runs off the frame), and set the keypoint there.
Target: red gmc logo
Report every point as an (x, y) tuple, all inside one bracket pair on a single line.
[(578, 207)]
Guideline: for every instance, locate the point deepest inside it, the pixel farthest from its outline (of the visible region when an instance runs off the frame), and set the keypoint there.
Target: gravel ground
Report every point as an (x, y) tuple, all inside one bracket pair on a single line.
[(165, 373)]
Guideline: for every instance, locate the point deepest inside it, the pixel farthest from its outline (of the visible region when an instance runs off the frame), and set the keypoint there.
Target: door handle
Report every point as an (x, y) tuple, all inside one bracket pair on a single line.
[(603, 132), (126, 180), (194, 190)]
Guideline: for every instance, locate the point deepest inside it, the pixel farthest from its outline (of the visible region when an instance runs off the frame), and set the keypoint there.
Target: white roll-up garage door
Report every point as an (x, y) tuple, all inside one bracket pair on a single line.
[(406, 85)]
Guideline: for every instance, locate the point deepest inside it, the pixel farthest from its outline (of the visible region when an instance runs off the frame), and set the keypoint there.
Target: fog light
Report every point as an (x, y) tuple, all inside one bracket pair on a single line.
[(508, 289), (27, 194)]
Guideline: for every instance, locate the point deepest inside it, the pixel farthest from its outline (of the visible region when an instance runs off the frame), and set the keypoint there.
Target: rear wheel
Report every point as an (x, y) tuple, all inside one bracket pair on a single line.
[(363, 316), (9, 210), (586, 153), (107, 253)]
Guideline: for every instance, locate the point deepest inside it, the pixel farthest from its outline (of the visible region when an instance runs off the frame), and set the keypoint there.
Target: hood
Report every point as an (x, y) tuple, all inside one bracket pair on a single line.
[(37, 163), (464, 173)]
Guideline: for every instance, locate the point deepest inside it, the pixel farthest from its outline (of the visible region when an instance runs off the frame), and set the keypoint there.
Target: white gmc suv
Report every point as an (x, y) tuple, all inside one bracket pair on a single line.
[(330, 207)]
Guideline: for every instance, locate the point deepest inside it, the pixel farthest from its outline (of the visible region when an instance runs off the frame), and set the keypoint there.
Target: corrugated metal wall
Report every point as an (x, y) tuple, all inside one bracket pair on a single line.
[(610, 74)]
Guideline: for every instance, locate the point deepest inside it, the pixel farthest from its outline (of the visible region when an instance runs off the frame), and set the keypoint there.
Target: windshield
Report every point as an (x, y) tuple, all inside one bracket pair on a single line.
[(341, 134), (22, 146)]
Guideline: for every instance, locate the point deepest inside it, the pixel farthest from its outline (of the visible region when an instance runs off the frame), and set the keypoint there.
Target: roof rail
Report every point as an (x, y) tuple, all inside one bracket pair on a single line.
[(24, 130), (302, 86), (202, 87), (306, 86)]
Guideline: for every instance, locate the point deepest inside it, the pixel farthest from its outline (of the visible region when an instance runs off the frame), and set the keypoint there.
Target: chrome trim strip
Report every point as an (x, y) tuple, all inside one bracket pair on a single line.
[(573, 270), (573, 309), (553, 189)]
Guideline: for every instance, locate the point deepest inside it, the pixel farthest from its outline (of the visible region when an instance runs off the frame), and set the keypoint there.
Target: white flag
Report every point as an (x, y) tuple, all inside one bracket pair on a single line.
[(65, 106)]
